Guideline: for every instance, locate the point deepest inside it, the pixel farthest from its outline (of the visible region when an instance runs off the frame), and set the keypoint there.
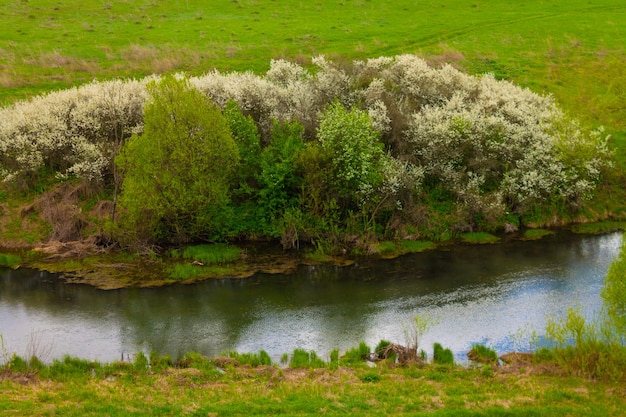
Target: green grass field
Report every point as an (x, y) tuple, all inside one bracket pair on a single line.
[(573, 49)]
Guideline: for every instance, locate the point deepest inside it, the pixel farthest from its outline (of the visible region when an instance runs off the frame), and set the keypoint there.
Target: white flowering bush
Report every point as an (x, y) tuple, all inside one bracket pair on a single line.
[(72, 132), (487, 147)]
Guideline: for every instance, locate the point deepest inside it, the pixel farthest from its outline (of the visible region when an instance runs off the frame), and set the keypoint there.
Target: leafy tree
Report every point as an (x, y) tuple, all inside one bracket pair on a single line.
[(177, 172), (280, 183), (357, 156), (246, 135)]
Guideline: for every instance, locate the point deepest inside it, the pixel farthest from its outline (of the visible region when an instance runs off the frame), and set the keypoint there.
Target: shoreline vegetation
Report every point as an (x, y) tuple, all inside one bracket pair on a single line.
[(196, 385), (344, 145), (378, 157), (81, 264)]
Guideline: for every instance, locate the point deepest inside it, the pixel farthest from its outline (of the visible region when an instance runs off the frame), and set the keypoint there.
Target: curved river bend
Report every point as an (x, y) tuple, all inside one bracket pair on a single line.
[(493, 294)]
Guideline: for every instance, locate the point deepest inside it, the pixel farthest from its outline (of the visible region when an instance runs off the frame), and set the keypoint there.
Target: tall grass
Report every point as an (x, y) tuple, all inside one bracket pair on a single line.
[(10, 260), (215, 254), (592, 349)]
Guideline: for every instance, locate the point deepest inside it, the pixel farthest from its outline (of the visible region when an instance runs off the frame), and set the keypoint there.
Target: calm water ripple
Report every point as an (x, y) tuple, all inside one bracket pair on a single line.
[(494, 294)]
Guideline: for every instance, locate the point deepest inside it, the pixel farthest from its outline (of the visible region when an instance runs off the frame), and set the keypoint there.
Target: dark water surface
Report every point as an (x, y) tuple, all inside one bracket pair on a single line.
[(494, 294)]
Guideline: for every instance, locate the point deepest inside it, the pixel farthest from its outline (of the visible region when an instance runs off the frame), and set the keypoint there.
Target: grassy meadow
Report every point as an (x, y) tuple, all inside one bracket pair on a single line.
[(572, 49)]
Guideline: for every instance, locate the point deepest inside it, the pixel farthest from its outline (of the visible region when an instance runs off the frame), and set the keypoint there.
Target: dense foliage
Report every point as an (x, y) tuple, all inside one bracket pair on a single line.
[(388, 147), (177, 172)]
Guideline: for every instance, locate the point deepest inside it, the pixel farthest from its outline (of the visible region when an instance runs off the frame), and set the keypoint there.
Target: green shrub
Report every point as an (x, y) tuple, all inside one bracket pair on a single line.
[(534, 234), (442, 356), (160, 362), (18, 364), (10, 260), (590, 349), (614, 293), (300, 358), (334, 359), (479, 237), (356, 355), (178, 171), (251, 359), (141, 362), (482, 354)]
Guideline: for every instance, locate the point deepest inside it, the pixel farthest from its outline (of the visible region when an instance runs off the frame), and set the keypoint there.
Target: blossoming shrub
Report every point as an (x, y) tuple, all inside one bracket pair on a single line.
[(73, 132), (388, 141)]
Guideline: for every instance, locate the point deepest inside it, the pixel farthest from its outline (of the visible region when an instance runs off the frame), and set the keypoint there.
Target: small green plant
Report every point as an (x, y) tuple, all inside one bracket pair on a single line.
[(160, 362), (479, 237), (252, 359), (218, 253), (141, 362), (442, 356), (334, 359), (182, 272), (301, 358), (356, 355), (10, 260), (382, 351), (415, 246), (482, 354), (370, 377), (535, 234), (413, 335)]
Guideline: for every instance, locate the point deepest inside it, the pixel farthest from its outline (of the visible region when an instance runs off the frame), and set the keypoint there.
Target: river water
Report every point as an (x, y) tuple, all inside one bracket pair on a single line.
[(492, 294)]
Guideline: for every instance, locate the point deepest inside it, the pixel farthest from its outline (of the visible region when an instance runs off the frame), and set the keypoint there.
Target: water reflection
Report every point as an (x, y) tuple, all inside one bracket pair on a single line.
[(487, 294)]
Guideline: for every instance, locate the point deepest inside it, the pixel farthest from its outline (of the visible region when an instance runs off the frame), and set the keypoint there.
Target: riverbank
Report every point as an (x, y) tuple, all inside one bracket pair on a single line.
[(204, 387), (84, 263)]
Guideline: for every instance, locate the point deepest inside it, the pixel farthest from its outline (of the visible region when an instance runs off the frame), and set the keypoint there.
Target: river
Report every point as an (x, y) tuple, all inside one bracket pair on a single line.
[(492, 294)]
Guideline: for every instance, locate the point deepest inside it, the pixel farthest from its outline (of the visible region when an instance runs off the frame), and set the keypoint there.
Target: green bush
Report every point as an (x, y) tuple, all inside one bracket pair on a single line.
[(442, 356), (279, 183), (141, 362), (160, 362), (177, 173), (591, 349), (356, 154), (356, 355), (482, 354), (301, 358), (7, 259)]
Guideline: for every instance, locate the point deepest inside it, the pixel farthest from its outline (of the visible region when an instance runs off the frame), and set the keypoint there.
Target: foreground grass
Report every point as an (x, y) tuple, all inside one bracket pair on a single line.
[(121, 390)]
